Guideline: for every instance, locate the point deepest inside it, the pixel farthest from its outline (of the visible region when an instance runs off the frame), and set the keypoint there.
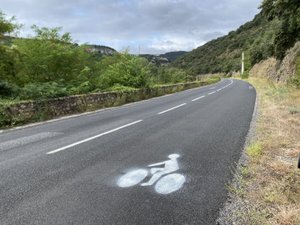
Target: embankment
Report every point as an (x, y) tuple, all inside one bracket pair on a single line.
[(284, 71)]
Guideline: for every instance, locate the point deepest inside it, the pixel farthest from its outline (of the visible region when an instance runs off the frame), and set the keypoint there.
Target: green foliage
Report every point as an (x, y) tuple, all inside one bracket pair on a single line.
[(223, 55), (172, 56), (7, 25), (271, 33), (42, 91), (254, 150), (124, 70), (8, 55), (169, 75), (296, 79), (288, 12), (245, 75), (50, 57), (287, 32), (52, 35), (118, 87), (8, 89), (50, 64)]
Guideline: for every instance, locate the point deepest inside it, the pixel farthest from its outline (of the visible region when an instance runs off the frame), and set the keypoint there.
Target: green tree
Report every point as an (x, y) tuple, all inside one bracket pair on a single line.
[(8, 54), (124, 70), (51, 57), (169, 75), (288, 12)]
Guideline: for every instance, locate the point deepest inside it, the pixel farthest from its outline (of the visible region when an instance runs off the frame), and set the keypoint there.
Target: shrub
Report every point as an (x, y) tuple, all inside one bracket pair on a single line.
[(8, 89), (42, 91), (128, 70)]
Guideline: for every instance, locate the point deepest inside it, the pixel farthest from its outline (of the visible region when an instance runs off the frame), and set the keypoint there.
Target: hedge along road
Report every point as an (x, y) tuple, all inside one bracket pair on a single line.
[(162, 161)]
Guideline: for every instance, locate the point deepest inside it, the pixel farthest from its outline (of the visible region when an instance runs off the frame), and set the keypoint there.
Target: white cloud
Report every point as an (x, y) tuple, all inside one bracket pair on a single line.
[(166, 43), (157, 25)]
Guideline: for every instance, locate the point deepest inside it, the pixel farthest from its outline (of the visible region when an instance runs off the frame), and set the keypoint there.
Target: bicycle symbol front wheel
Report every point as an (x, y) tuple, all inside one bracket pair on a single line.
[(169, 183)]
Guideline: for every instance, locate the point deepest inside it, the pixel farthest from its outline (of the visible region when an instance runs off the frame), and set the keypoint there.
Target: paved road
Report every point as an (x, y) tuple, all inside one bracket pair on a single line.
[(75, 170)]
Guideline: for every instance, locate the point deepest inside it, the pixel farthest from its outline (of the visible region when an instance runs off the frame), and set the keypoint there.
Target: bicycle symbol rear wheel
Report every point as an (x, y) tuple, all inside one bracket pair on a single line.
[(132, 178)]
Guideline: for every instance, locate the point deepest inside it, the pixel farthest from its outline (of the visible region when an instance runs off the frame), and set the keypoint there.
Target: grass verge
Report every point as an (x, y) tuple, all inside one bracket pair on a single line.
[(269, 184)]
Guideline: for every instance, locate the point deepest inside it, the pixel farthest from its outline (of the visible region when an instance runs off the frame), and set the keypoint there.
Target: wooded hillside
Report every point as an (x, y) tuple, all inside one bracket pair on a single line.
[(273, 31)]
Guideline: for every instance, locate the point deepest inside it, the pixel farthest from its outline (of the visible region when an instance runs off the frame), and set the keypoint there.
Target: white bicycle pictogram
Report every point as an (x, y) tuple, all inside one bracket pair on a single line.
[(164, 178)]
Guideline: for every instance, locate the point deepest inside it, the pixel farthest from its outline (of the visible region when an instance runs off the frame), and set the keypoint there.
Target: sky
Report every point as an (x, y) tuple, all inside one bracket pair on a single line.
[(153, 26)]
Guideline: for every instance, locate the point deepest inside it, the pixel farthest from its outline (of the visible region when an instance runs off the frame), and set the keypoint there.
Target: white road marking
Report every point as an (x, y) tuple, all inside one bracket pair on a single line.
[(198, 98), (132, 178), (175, 107), (169, 183), (6, 145), (92, 138), (220, 89), (164, 179), (100, 110)]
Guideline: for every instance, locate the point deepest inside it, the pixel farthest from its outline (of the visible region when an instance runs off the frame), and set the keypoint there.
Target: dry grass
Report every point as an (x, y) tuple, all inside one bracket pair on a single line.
[(273, 180)]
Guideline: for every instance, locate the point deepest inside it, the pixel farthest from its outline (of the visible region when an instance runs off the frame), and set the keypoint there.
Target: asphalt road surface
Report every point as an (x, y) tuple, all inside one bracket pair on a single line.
[(92, 168)]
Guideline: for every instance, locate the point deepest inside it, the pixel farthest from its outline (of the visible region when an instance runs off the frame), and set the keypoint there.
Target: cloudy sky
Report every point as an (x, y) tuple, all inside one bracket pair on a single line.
[(157, 26)]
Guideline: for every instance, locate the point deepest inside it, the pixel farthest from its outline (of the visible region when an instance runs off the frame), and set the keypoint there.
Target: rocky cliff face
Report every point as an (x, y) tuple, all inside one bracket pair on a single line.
[(280, 71), (100, 49), (163, 59), (156, 59)]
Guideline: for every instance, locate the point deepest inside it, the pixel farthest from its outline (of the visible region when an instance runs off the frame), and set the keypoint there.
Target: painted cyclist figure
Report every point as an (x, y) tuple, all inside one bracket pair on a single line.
[(170, 167), (164, 179)]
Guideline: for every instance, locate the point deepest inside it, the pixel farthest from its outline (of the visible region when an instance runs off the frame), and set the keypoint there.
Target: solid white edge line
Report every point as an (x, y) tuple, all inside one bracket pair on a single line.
[(211, 93), (175, 107), (198, 98), (92, 138)]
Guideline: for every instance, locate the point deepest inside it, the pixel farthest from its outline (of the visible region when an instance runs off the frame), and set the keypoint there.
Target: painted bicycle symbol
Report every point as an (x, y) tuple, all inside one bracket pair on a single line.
[(164, 178)]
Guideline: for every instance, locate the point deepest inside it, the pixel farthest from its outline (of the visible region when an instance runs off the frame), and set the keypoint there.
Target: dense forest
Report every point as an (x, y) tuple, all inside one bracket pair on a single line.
[(274, 30), (50, 64)]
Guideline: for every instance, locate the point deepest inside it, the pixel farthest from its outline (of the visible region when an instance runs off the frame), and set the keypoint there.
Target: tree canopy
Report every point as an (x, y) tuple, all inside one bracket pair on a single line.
[(288, 12)]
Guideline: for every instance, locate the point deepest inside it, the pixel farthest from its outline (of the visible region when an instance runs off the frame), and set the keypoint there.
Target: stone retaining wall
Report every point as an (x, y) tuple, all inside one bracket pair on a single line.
[(31, 111)]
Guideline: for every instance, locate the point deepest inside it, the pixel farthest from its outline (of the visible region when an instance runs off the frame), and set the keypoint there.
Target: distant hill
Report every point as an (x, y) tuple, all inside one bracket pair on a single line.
[(172, 56), (223, 54), (163, 59), (156, 59)]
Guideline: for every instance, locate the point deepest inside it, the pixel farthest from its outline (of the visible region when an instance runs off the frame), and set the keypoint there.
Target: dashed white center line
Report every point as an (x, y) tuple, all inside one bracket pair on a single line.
[(92, 138), (175, 107), (129, 124), (198, 98)]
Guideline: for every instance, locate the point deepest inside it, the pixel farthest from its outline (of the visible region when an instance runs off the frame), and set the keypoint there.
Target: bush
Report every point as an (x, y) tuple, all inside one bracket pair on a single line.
[(118, 87), (42, 91), (128, 70), (245, 75), (51, 57), (8, 89), (170, 75), (296, 79)]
